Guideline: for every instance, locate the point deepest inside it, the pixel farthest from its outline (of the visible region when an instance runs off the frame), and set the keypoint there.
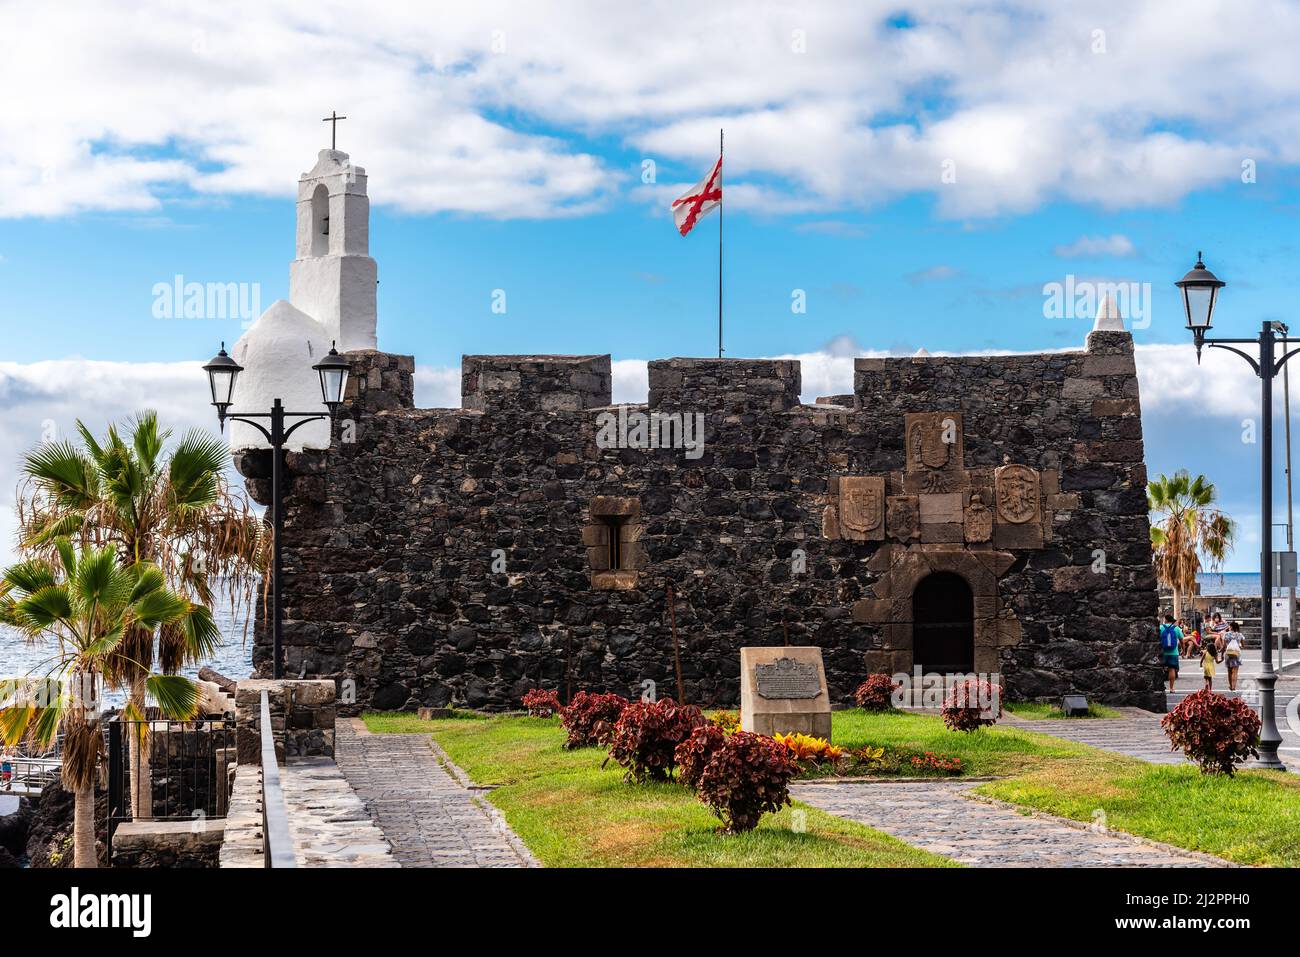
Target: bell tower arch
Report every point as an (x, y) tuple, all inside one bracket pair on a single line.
[(332, 277)]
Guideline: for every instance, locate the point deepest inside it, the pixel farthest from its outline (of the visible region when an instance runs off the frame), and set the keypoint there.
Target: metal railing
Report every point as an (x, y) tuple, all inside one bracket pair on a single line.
[(277, 845), (25, 770), (188, 769)]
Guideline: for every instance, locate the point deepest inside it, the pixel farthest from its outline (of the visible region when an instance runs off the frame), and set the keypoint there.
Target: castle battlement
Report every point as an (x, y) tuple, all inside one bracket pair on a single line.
[(954, 514), (535, 383)]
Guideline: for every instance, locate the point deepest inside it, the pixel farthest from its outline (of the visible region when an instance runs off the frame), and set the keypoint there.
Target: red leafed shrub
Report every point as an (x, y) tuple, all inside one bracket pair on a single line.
[(971, 703), (876, 693), (542, 703), (936, 762), (590, 718), (746, 777), (694, 753), (1215, 731), (647, 734)]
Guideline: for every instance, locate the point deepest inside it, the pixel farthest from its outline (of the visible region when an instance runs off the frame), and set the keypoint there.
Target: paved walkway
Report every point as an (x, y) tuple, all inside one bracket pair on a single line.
[(1137, 734), (328, 824), (935, 816), (424, 812)]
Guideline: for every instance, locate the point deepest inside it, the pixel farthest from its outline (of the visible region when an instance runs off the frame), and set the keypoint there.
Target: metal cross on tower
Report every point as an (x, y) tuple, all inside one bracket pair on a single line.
[(334, 130)]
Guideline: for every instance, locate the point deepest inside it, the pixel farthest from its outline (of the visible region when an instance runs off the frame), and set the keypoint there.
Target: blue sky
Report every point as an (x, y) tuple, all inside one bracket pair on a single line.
[(506, 149), (623, 281)]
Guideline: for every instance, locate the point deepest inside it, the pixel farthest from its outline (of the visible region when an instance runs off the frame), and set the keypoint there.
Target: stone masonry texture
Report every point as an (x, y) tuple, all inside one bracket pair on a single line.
[(391, 536)]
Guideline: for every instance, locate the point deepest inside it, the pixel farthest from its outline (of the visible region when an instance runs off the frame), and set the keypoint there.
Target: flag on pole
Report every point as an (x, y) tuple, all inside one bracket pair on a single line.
[(700, 200)]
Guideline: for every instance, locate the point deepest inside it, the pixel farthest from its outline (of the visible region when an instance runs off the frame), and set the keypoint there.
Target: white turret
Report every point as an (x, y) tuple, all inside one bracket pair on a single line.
[(1109, 318), (333, 278), (331, 299)]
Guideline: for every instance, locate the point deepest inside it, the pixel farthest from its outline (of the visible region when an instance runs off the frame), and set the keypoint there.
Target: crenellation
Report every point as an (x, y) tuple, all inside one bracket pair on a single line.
[(423, 502), (536, 383)]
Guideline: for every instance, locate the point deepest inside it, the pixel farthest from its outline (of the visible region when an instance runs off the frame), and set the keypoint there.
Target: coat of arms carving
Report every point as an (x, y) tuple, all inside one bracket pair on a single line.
[(1017, 493), (978, 524), (903, 517), (861, 511), (932, 440)]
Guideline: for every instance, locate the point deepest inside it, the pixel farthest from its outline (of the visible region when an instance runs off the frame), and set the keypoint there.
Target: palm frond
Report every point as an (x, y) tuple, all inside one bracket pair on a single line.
[(177, 696), (196, 463), (200, 632), (147, 440), (29, 576), (44, 608), (63, 471)]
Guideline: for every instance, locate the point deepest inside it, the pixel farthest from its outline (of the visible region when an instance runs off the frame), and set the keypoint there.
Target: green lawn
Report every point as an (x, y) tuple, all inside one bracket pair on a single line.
[(572, 813), (405, 722), (1251, 818), (989, 751), (1038, 710)]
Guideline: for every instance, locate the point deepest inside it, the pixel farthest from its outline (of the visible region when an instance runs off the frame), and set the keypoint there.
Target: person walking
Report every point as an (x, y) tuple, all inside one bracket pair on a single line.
[(1208, 658), (1171, 639), (1232, 654)]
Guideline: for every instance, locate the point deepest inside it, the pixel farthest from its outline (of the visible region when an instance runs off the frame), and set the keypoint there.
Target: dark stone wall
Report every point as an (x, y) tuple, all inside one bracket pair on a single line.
[(390, 535)]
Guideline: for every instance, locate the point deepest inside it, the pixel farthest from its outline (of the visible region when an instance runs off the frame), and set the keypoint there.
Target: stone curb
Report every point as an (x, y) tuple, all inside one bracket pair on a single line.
[(1081, 826), (489, 810)]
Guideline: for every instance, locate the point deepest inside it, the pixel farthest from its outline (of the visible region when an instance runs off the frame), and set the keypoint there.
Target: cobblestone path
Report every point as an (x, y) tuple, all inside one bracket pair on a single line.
[(426, 815), (1137, 734), (936, 817)]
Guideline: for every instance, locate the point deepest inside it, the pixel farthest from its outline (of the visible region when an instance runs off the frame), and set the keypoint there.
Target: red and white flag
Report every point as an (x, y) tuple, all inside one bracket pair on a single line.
[(700, 200)]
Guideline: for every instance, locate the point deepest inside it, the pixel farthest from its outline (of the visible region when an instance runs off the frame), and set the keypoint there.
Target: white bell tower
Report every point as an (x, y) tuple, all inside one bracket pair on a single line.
[(332, 277)]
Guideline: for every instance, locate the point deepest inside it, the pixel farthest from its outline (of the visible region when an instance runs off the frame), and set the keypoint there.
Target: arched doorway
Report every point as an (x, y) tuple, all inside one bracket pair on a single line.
[(943, 624)]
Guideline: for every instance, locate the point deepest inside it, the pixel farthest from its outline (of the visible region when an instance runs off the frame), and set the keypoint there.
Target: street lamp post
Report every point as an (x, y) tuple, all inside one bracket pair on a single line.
[(222, 372), (1200, 289)]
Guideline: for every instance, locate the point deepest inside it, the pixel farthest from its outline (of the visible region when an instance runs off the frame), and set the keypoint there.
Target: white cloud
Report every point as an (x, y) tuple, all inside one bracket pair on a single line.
[(437, 387), (44, 400), (488, 108), (1115, 245), (933, 274)]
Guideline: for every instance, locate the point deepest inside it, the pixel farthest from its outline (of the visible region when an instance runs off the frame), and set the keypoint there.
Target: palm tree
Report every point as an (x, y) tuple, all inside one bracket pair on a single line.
[(88, 603), (1185, 526), (173, 511)]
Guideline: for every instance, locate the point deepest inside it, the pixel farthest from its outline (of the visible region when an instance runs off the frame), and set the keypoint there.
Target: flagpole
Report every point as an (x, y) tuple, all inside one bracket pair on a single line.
[(720, 198)]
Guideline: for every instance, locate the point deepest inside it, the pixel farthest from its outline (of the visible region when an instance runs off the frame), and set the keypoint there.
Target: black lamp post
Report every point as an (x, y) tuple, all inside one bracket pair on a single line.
[(222, 372), (1200, 289)]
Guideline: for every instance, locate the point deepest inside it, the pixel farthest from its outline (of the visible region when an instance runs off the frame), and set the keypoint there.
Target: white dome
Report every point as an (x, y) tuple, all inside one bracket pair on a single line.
[(1109, 318), (277, 354)]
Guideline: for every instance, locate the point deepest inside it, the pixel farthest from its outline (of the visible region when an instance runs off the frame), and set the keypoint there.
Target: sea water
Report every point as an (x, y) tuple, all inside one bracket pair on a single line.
[(234, 658)]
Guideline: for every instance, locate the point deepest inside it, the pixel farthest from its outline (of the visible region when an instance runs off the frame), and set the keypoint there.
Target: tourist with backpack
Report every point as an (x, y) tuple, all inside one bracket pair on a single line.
[(1171, 641), (1232, 654)]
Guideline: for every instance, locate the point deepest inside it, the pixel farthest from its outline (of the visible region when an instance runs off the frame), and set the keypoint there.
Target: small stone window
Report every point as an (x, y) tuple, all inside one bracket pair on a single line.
[(613, 541)]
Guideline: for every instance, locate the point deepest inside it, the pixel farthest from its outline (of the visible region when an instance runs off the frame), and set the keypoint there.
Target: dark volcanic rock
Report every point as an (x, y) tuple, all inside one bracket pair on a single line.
[(453, 557), (49, 841)]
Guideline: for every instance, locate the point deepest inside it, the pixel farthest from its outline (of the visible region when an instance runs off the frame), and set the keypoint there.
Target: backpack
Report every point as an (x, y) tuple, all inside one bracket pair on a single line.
[(1168, 637)]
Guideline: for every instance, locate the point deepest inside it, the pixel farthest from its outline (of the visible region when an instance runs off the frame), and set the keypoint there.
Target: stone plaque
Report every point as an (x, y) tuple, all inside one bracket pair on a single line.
[(861, 506), (1017, 493), (783, 690), (979, 520), (904, 517), (933, 440), (787, 678)]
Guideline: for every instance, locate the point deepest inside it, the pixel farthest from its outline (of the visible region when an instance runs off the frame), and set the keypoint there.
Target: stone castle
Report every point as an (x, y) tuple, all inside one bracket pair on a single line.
[(952, 514)]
